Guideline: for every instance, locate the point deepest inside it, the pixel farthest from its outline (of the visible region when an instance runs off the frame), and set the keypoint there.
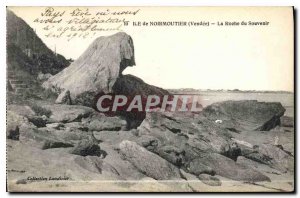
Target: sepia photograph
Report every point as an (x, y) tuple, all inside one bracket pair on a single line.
[(150, 99)]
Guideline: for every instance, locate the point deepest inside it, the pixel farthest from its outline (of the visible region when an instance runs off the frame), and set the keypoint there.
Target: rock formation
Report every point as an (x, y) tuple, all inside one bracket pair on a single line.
[(98, 68), (246, 115), (130, 85), (228, 168), (148, 163), (91, 146)]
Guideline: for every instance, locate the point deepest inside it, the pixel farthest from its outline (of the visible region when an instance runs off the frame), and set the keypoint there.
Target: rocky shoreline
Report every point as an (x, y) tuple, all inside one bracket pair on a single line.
[(242, 145), (164, 147)]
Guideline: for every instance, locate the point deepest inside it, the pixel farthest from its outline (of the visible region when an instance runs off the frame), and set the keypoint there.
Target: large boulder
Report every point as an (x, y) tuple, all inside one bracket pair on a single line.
[(273, 155), (18, 127), (100, 122), (180, 139), (256, 165), (99, 71), (197, 167), (95, 164), (51, 135), (98, 68), (228, 168), (131, 86), (64, 135), (86, 147), (148, 163), (245, 115), (68, 113)]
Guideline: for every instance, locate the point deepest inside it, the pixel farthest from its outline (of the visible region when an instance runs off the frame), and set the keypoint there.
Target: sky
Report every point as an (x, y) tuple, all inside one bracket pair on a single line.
[(199, 57)]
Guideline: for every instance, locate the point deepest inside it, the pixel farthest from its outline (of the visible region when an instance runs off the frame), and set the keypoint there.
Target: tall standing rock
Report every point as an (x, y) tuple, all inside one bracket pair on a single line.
[(97, 69)]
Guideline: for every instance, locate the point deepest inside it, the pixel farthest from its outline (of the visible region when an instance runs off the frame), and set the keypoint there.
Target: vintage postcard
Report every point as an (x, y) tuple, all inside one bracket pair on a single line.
[(150, 99)]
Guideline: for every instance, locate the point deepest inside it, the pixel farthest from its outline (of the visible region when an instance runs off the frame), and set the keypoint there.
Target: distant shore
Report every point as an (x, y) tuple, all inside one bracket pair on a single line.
[(226, 91)]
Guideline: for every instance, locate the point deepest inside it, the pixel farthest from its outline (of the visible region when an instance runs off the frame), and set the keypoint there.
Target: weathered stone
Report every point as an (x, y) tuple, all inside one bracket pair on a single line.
[(256, 165), (95, 164), (55, 125), (100, 122), (44, 137), (131, 86), (113, 138), (64, 98), (255, 155), (99, 71), (48, 144), (196, 167), (97, 68), (280, 159), (148, 163), (86, 147), (232, 151), (38, 121), (172, 154), (210, 180), (72, 136), (68, 113), (226, 167), (76, 126), (272, 155), (149, 142), (245, 115), (187, 136)]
